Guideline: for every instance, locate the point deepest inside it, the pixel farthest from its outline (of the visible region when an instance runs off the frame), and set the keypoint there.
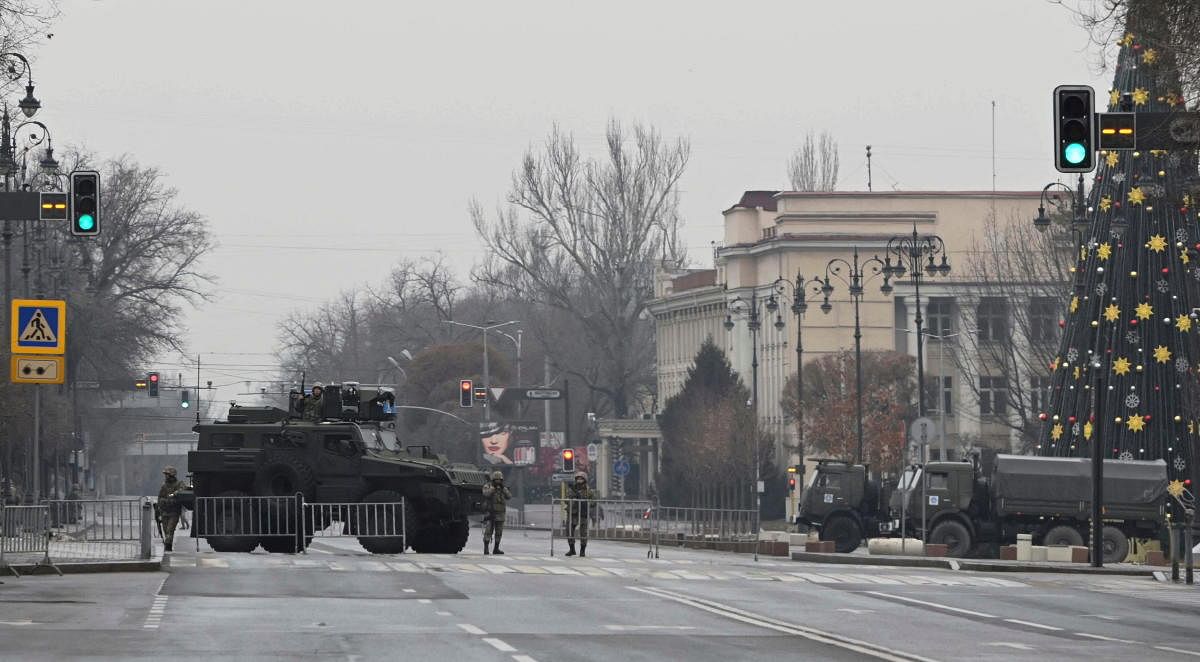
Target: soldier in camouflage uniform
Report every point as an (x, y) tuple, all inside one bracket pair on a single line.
[(168, 508), (312, 404), (496, 496), (579, 510)]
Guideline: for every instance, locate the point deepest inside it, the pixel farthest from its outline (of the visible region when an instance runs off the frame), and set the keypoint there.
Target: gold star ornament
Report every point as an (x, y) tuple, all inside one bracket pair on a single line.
[(1184, 257), (1136, 197), (1074, 304), (1114, 97), (1150, 56), (1121, 366), (1112, 312), (1056, 432), (1105, 203), (1140, 96), (1127, 40), (1144, 311), (1087, 430), (1157, 243), (1111, 159), (1104, 251), (1135, 423), (1162, 354), (1183, 323), (1175, 488)]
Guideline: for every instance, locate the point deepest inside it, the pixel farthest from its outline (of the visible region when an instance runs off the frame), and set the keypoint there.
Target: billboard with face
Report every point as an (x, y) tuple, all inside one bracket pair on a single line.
[(509, 442)]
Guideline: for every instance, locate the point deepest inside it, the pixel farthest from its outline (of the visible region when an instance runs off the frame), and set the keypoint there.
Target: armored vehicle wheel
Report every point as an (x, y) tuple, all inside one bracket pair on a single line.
[(234, 517), (1115, 545), (284, 474), (370, 526), (442, 539), (954, 536), (844, 532), (1063, 536)]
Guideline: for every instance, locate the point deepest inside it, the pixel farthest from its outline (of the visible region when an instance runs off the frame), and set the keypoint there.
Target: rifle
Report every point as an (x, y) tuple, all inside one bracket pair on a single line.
[(158, 521)]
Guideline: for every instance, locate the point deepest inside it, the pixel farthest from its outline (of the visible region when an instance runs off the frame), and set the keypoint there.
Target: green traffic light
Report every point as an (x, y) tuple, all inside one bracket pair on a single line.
[(1075, 153), (86, 222)]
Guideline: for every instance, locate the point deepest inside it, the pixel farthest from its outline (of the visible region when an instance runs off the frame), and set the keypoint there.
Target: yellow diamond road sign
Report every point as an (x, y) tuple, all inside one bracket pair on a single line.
[(37, 370), (39, 326)]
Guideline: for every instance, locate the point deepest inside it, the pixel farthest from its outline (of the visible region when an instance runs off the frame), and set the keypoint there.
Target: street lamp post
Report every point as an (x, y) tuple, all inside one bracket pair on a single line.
[(487, 377), (854, 280), (738, 306), (914, 255), (799, 307)]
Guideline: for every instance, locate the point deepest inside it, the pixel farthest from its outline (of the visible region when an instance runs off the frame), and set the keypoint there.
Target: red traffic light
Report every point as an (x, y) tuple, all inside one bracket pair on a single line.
[(465, 385), (568, 454), (154, 377)]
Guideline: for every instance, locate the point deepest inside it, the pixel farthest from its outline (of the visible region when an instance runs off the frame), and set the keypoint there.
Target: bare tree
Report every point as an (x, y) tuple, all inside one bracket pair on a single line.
[(583, 237), (814, 166), (1010, 330)]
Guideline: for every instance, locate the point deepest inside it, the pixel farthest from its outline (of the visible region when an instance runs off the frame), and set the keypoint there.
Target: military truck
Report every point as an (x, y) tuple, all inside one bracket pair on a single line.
[(845, 504), (1047, 497), (350, 455)]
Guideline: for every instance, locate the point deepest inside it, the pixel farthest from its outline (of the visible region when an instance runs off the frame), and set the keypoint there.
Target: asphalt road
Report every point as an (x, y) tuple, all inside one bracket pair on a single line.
[(339, 603)]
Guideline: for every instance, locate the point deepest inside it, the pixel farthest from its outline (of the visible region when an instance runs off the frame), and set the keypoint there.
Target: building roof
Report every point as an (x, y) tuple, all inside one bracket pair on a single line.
[(907, 194), (756, 199), (694, 278)]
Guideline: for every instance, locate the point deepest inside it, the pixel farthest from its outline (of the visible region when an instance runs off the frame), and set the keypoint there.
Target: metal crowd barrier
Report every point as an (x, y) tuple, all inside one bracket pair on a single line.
[(25, 537), (706, 528), (259, 517), (95, 529), (599, 519), (355, 520)]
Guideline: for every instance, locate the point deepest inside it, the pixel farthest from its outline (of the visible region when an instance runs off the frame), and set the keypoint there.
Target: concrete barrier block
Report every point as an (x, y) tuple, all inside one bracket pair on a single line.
[(775, 548), (1058, 554), (1079, 554), (1008, 553), (819, 547), (1037, 553), (895, 547), (1024, 547), (936, 551), (797, 539), (1156, 557)]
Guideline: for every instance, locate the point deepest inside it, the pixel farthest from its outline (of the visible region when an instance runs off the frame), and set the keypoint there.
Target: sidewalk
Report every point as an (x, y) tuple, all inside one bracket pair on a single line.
[(983, 565)]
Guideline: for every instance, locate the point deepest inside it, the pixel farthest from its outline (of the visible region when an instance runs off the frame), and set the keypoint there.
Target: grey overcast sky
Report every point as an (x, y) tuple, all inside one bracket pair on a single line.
[(325, 140)]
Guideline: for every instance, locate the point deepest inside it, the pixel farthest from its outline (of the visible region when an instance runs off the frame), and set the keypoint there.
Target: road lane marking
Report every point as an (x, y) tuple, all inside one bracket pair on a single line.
[(530, 569), (498, 569), (758, 620), (930, 604), (1009, 644), (443, 613), (471, 629), (1178, 650), (409, 590), (559, 570), (499, 645), (1033, 625), (402, 566), (523, 658), (1104, 638), (631, 628), (425, 601), (815, 578)]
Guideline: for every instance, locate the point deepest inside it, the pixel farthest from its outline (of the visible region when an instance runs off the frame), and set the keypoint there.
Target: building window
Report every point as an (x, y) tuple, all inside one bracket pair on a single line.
[(992, 319), (993, 396), (941, 395), (1039, 393), (1042, 323), (939, 317)]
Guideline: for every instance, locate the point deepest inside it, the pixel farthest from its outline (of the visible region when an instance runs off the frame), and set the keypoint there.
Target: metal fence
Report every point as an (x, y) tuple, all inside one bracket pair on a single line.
[(289, 524), (706, 528), (95, 529), (599, 519)]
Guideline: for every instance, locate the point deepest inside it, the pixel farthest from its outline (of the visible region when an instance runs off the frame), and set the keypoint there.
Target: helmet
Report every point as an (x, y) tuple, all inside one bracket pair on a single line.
[(496, 475), (489, 429), (170, 471), (580, 474)]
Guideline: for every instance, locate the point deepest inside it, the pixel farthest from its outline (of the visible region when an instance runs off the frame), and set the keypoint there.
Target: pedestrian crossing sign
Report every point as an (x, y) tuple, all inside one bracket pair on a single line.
[(39, 326)]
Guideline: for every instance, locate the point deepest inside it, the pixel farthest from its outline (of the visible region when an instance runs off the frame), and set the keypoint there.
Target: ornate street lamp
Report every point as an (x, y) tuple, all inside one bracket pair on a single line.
[(855, 277), (797, 292), (915, 255)]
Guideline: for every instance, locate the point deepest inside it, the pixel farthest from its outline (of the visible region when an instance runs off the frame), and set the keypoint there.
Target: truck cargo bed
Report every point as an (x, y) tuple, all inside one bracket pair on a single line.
[(1026, 485)]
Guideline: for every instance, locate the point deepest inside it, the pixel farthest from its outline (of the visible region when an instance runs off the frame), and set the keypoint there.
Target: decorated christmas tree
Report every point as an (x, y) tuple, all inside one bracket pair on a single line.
[(1130, 335)]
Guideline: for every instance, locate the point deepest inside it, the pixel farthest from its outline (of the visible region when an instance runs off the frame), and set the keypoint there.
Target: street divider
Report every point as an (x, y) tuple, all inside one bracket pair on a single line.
[(599, 519), (288, 524), (74, 531), (719, 529)]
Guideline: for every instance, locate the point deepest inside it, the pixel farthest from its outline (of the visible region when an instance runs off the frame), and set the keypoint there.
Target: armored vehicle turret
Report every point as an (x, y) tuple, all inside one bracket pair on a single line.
[(345, 452)]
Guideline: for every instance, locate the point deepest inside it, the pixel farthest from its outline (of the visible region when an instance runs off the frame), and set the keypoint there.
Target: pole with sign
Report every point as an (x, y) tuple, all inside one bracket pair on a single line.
[(38, 333)]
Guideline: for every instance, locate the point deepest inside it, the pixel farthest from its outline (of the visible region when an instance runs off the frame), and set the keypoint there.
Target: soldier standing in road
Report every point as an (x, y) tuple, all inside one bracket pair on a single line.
[(169, 509), (312, 404), (579, 509), (496, 496)]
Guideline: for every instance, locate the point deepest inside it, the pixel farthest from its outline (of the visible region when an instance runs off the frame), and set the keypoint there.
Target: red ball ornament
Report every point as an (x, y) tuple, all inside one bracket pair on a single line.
[(1120, 245), (1117, 205), (1062, 324), (1042, 416), (1108, 351), (1146, 417), (1133, 322), (1156, 389), (1071, 419), (1165, 270), (1091, 418)]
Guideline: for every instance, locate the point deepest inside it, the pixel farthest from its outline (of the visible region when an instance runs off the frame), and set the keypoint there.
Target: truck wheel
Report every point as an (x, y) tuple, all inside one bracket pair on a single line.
[(954, 536), (231, 517), (1114, 544), (281, 516), (283, 474), (844, 533), (371, 525), (1063, 536)]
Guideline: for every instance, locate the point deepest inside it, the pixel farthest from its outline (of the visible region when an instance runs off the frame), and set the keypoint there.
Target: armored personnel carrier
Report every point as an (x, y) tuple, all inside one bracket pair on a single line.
[(345, 452)]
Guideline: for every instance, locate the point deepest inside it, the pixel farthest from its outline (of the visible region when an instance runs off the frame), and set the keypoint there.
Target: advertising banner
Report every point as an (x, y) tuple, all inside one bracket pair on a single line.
[(509, 442)]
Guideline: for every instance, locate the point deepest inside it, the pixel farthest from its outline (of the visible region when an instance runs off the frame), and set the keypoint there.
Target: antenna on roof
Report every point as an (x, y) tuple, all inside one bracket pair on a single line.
[(868, 168)]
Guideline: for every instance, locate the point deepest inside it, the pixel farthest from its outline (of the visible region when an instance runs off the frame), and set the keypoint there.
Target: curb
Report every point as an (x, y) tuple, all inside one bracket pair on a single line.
[(968, 564), (91, 567)]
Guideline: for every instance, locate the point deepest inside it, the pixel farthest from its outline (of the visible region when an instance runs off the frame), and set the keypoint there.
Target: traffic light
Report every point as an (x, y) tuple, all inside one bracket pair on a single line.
[(480, 394), (53, 206), (1074, 133), (85, 203), (139, 384), (152, 384), (793, 472), (465, 393), (183, 399), (568, 460)]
